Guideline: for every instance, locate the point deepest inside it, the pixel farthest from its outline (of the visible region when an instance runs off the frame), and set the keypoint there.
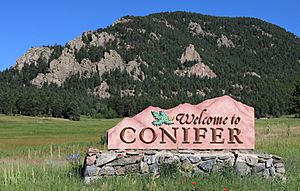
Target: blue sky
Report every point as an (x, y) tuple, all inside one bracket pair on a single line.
[(29, 23)]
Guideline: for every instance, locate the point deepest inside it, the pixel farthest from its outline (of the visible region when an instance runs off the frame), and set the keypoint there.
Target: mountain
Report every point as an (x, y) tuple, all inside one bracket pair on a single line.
[(161, 59)]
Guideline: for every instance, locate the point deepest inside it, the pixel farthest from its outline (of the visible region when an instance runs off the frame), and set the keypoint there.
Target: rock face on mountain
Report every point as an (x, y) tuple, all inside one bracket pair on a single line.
[(102, 90), (62, 68), (199, 69), (133, 68), (196, 29), (66, 65), (101, 39), (190, 54), (111, 61), (224, 41), (32, 56)]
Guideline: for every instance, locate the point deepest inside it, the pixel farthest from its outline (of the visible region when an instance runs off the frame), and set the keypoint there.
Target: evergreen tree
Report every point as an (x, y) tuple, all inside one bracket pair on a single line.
[(71, 111), (295, 99)]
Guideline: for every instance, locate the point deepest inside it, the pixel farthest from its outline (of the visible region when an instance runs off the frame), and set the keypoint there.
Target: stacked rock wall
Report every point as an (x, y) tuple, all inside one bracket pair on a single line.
[(189, 162)]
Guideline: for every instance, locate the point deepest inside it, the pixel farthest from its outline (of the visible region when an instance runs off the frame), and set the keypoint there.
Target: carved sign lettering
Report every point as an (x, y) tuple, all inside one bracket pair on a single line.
[(219, 123)]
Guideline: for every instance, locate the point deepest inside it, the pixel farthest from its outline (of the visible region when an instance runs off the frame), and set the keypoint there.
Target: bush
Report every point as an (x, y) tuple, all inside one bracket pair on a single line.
[(169, 169)]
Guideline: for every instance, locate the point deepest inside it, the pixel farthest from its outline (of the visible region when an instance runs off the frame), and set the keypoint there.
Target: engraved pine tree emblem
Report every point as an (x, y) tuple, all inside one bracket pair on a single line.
[(161, 118)]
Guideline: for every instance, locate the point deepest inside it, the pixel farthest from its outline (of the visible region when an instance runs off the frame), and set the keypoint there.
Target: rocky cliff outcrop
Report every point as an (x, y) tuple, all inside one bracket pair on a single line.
[(190, 54), (164, 21), (111, 61), (199, 69), (67, 65), (76, 44), (196, 29), (133, 68), (121, 20), (101, 39), (102, 90), (32, 56), (62, 68), (225, 41)]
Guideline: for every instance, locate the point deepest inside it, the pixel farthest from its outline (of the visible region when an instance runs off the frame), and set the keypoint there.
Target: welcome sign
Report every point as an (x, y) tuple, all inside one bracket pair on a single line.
[(219, 123)]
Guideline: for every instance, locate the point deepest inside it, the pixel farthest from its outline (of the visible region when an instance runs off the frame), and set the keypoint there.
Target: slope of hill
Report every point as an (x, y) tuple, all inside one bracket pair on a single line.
[(162, 59)]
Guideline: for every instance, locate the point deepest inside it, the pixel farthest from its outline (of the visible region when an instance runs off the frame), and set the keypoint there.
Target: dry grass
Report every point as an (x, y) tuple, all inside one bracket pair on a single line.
[(32, 152)]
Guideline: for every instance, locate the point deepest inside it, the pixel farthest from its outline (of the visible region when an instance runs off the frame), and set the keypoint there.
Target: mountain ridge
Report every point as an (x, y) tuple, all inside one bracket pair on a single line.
[(184, 56)]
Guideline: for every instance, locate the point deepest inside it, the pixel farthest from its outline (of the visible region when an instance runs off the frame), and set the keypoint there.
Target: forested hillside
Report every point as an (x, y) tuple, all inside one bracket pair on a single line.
[(162, 59)]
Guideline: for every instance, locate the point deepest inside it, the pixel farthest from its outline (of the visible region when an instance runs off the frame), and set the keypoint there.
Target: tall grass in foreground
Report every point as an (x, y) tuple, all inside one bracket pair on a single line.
[(32, 157), (49, 177), (50, 173)]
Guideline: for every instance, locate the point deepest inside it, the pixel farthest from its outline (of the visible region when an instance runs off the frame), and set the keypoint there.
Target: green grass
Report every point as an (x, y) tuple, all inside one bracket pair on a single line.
[(32, 151), (21, 134)]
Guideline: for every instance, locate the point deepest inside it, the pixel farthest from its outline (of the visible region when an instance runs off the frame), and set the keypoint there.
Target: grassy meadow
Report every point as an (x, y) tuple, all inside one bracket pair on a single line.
[(33, 150)]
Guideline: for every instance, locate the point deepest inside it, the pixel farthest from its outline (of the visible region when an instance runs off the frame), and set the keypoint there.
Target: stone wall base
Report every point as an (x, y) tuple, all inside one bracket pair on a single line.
[(189, 162)]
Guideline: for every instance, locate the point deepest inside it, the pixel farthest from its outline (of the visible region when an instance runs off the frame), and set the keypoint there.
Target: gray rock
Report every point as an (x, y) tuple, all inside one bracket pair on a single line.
[(150, 152), (260, 160), (93, 151), (196, 171), (223, 157), (170, 160), (272, 171), (144, 167), (242, 168), (120, 170), (280, 170), (277, 160), (107, 170), (183, 157), (90, 160), (208, 158), (279, 165), (264, 156), (275, 157), (153, 168), (127, 161), (266, 173), (259, 168), (219, 166), (132, 153), (194, 159), (229, 162), (186, 166), (244, 151), (186, 151), (152, 159), (91, 170), (132, 168), (105, 158), (109, 164), (250, 160), (207, 165), (165, 154), (269, 163)]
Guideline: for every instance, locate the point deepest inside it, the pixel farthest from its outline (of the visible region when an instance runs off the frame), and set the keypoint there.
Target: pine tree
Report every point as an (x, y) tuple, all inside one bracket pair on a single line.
[(295, 100)]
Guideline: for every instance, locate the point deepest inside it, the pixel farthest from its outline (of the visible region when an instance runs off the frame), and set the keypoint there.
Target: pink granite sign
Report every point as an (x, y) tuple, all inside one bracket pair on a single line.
[(219, 123)]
